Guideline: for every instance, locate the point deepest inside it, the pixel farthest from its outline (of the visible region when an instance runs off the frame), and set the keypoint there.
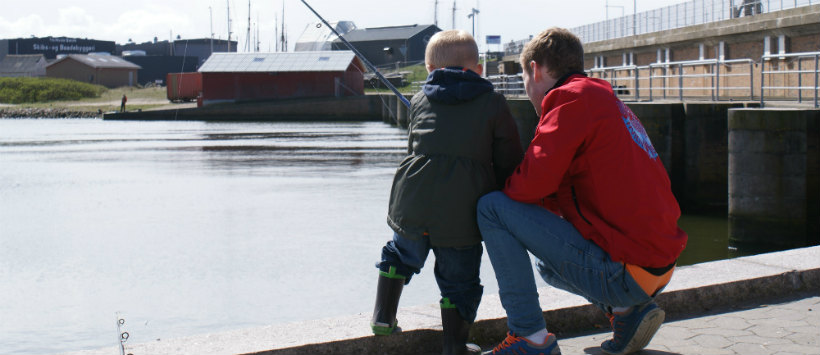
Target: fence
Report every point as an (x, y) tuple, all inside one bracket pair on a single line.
[(688, 13)]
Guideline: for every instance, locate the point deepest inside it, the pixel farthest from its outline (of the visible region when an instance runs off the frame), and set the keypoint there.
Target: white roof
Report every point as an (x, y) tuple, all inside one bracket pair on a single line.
[(278, 62), (318, 37)]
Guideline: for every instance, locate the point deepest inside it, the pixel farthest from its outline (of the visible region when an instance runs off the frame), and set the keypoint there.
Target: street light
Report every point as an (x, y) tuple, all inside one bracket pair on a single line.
[(472, 14)]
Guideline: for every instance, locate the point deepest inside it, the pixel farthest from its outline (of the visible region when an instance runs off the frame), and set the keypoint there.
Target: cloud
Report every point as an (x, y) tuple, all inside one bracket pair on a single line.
[(22, 27), (143, 25)]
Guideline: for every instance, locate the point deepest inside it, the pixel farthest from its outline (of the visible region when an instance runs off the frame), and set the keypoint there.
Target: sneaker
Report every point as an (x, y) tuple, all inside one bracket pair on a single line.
[(516, 345), (632, 332)]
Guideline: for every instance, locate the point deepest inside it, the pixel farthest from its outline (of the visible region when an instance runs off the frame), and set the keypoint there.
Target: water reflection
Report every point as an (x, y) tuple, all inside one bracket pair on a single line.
[(196, 227)]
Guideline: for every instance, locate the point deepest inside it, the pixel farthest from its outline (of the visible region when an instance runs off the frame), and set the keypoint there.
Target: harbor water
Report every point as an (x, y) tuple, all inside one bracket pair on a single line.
[(184, 228)]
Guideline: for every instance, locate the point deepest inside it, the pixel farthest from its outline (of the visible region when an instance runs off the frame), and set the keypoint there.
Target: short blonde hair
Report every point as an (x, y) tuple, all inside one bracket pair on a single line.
[(452, 48), (557, 48)]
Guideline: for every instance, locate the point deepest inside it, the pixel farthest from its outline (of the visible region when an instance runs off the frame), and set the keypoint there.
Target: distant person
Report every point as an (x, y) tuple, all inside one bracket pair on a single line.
[(591, 201), (122, 103), (463, 143)]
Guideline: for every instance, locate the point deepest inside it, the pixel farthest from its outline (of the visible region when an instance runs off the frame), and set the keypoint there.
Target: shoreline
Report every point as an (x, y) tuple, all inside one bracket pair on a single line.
[(46, 113)]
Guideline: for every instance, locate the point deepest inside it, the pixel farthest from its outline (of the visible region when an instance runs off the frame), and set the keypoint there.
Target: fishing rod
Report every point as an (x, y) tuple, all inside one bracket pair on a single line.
[(366, 62)]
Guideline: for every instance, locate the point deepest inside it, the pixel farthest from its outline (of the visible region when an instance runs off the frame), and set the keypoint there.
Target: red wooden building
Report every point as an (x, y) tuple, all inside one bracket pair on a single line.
[(233, 77)]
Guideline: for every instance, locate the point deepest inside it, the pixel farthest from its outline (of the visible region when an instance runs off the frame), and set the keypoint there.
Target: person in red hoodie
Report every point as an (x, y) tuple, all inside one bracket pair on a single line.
[(591, 201)]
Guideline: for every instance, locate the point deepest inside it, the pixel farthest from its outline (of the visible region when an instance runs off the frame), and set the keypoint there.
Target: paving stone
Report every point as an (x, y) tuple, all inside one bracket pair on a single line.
[(712, 341)]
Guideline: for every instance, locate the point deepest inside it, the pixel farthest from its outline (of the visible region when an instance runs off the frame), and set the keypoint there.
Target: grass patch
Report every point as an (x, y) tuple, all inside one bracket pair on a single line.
[(109, 100), (413, 73), (38, 90)]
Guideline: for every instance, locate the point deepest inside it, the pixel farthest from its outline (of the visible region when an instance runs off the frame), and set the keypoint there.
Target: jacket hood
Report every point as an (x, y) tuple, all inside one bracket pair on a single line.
[(454, 85)]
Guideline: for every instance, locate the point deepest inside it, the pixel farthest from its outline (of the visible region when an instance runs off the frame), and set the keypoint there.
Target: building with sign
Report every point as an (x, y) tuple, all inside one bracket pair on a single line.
[(51, 47)]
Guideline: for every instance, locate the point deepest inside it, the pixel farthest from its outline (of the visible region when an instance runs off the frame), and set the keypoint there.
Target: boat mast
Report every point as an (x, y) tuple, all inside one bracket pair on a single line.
[(211, 11), (284, 39), (248, 33), (228, 2), (435, 13), (454, 14)]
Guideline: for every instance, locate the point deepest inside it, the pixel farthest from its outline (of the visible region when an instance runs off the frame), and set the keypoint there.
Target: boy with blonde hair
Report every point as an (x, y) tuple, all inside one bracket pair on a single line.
[(462, 144)]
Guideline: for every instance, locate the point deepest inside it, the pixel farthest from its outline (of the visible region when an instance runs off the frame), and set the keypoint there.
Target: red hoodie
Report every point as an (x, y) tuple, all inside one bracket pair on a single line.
[(592, 162)]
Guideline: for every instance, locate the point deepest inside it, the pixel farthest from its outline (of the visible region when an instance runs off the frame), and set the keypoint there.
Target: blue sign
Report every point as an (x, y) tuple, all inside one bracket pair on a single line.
[(493, 39)]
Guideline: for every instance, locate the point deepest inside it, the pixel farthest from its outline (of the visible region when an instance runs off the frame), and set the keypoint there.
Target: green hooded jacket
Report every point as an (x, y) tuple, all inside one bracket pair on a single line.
[(463, 143)]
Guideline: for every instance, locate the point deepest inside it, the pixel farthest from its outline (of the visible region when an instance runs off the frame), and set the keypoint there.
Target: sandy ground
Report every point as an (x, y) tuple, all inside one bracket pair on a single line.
[(136, 101)]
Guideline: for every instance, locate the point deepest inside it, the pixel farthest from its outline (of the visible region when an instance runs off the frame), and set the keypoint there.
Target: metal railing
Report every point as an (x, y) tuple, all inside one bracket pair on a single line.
[(780, 77), (711, 79), (509, 85)]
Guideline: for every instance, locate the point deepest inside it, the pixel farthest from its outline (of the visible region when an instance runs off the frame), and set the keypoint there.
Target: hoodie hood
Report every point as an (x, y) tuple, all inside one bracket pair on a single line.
[(453, 85)]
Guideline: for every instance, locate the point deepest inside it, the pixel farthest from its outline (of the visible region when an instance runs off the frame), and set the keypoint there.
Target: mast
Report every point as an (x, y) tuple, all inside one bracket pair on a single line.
[(435, 13), (258, 42), (211, 11), (284, 39), (228, 2), (454, 14), (248, 33)]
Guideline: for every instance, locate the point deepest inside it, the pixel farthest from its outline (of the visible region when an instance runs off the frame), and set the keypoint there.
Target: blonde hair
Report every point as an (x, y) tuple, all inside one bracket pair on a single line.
[(557, 48), (452, 48)]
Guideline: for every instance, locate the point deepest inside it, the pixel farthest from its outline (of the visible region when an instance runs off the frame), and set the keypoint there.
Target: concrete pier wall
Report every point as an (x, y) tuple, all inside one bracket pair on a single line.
[(773, 178), (702, 186)]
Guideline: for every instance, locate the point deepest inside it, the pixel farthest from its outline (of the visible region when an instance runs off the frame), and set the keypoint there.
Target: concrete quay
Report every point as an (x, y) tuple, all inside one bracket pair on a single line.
[(762, 304)]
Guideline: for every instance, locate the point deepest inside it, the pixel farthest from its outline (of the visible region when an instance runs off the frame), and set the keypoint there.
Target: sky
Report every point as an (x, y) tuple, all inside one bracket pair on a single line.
[(142, 20)]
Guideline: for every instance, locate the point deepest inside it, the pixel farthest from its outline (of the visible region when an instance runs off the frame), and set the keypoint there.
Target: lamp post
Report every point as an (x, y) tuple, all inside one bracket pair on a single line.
[(472, 14), (634, 17)]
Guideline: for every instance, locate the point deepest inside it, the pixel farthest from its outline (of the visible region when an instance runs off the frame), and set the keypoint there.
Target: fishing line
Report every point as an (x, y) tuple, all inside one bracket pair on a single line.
[(362, 57), (179, 82), (384, 104)]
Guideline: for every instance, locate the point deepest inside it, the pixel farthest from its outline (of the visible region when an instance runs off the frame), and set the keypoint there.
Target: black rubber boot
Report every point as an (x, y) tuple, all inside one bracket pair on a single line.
[(388, 293), (455, 332)]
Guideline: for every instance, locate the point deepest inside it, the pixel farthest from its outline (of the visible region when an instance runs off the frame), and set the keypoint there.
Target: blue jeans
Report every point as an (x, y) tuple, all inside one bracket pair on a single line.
[(564, 259), (456, 269)]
